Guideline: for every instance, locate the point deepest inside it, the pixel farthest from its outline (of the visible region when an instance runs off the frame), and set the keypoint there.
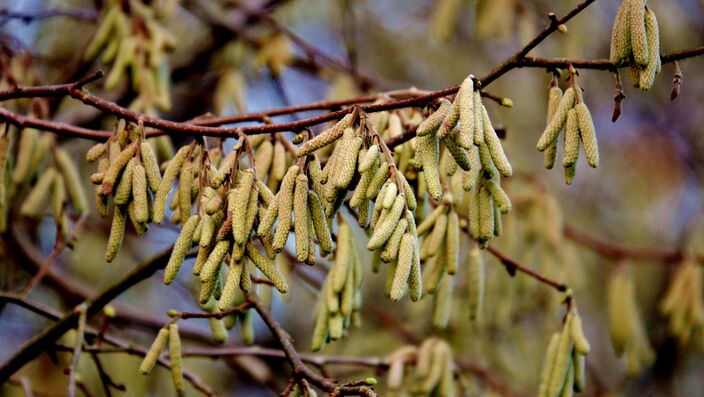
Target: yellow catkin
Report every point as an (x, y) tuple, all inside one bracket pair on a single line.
[(460, 156), (442, 304), (32, 205), (300, 214), (116, 168), (465, 100), (74, 187), (473, 212), (359, 196), (587, 134), (347, 162), (58, 197), (211, 267), (389, 195), (25, 147), (570, 173), (493, 143), (4, 151), (452, 242), (431, 124), (554, 96), (486, 215), (285, 208), (326, 137), (571, 140), (428, 154), (238, 200), (390, 251), (232, 285), (436, 237), (151, 166), (429, 221), (252, 209), (478, 130), (139, 193), (155, 349), (639, 39), (381, 174), (404, 267), (548, 364), (320, 225), (167, 181), (563, 358), (175, 357), (500, 197), (268, 268), (475, 274), (123, 192), (269, 218), (40, 153), (218, 330), (117, 233), (263, 158), (647, 76), (311, 242), (383, 231), (185, 185), (96, 152), (370, 157), (578, 365), (621, 35), (498, 223), (343, 259), (552, 130), (450, 120), (581, 344), (181, 246), (320, 332)]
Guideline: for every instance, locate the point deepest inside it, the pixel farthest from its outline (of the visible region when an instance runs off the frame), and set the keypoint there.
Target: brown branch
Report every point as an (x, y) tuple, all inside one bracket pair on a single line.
[(513, 266)]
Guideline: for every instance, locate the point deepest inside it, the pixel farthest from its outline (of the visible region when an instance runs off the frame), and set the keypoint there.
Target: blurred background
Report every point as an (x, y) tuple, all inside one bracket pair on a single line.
[(621, 220)]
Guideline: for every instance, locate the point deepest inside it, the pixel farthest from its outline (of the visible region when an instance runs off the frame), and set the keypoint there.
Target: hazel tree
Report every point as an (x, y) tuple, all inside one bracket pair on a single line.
[(142, 197)]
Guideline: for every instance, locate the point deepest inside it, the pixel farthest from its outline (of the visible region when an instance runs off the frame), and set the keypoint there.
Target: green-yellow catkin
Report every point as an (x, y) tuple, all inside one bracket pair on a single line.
[(478, 120), (408, 193), (151, 165), (71, 177), (452, 242), (647, 76), (263, 158), (450, 120), (442, 304), (218, 330), (563, 358), (252, 209), (554, 96), (185, 185), (320, 225), (389, 196), (175, 357), (347, 293), (431, 124), (571, 150), (381, 175), (459, 154), (117, 233), (4, 151), (390, 251), (473, 212), (500, 197), (247, 327), (570, 173), (232, 285), (123, 192), (116, 168), (581, 344), (548, 364), (320, 332), (475, 274), (415, 278), (26, 145), (578, 365), (40, 153), (181, 246), (493, 143), (300, 214), (266, 223), (96, 152), (268, 268), (211, 267), (621, 35), (486, 215), (32, 205), (639, 39), (152, 355), (370, 157), (326, 137), (428, 154), (404, 267), (436, 237), (383, 231), (238, 201), (552, 130), (278, 162), (139, 193), (311, 242), (587, 134), (167, 181), (336, 326), (429, 221), (285, 207), (58, 196), (347, 164), (465, 100)]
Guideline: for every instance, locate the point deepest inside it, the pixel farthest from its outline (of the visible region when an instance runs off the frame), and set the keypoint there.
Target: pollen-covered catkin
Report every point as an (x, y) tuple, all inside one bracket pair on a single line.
[(71, 176), (554, 96), (465, 101), (4, 151), (326, 137), (475, 273), (185, 185), (571, 151), (116, 168), (268, 268), (621, 35), (238, 200), (151, 166), (587, 134), (558, 120), (403, 267), (494, 145), (285, 207), (183, 243), (647, 75), (32, 205), (139, 194), (26, 146), (431, 124), (639, 39), (175, 357), (167, 181), (320, 225), (117, 233), (300, 214), (152, 355)]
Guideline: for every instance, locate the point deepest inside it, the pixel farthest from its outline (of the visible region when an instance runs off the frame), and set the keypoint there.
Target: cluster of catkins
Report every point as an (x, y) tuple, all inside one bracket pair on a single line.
[(465, 130), (135, 53), (128, 171), (569, 112), (341, 296), (433, 374), (563, 369), (167, 335), (626, 328), (635, 39), (684, 304)]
